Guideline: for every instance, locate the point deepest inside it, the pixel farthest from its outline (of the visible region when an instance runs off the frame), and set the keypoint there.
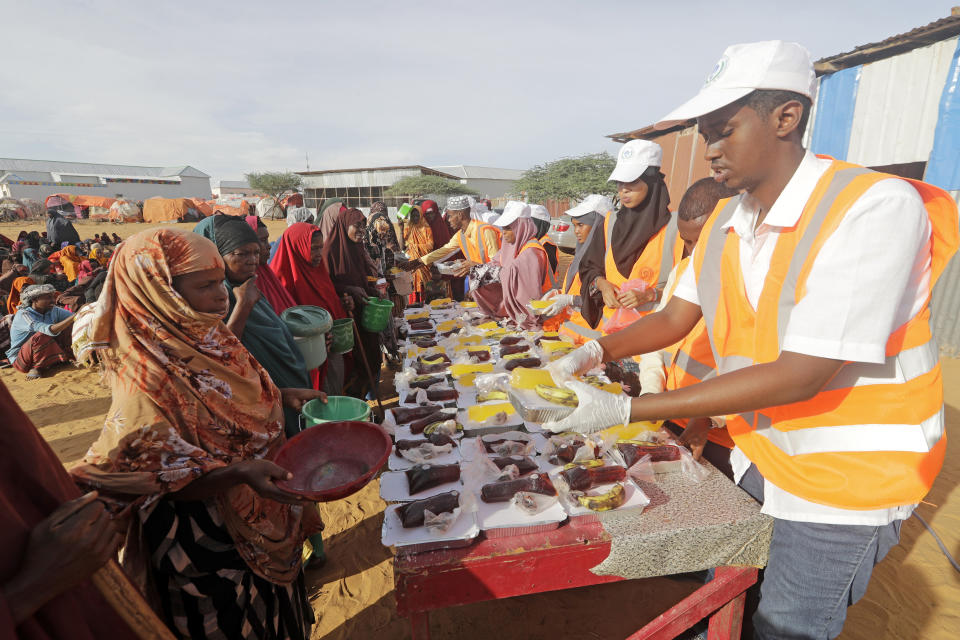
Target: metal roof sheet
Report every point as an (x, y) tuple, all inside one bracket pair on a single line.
[(93, 169), (234, 184)]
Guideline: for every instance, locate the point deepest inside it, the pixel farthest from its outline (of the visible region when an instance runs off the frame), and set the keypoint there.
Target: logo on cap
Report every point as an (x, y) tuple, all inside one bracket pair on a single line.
[(717, 70), (626, 153)]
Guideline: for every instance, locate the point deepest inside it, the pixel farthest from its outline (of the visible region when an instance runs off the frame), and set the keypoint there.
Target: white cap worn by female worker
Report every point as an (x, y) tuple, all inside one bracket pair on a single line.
[(512, 212), (539, 212), (634, 158), (743, 68), (593, 203)]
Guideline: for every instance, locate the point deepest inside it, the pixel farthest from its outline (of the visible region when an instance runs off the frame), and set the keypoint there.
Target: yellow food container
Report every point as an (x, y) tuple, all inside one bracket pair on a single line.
[(483, 412), (449, 325), (468, 305), (525, 378), (467, 380), (540, 304), (631, 431), (472, 347), (424, 315), (549, 346), (459, 370), (440, 302), (488, 326), (465, 340)]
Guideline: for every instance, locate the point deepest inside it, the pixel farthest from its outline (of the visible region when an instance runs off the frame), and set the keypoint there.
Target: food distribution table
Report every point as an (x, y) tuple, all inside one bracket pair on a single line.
[(687, 527)]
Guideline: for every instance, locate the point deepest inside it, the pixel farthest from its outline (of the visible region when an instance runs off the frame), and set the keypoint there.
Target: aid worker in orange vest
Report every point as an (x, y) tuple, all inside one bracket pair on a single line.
[(541, 218), (587, 219), (690, 360), (639, 241), (477, 240), (814, 285)]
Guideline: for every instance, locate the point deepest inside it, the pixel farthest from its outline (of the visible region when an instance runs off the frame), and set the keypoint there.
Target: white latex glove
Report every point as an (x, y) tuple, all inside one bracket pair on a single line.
[(549, 294), (598, 410), (578, 361), (560, 302)]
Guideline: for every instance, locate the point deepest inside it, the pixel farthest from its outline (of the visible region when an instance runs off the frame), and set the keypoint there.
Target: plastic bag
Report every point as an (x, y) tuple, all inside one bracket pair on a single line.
[(642, 470), (532, 503), (623, 318), (690, 468), (509, 472), (401, 381), (437, 523), (425, 452), (515, 443)]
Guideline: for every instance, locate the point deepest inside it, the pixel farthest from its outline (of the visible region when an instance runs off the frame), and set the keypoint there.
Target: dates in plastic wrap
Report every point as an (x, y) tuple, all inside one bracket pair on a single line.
[(427, 476), (436, 439), (581, 477), (504, 491), (530, 363), (411, 514), (406, 415), (633, 451)]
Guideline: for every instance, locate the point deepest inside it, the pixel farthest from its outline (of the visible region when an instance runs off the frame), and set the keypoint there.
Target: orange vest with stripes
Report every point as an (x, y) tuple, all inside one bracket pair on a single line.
[(472, 245), (548, 281), (690, 361), (662, 253), (873, 437)]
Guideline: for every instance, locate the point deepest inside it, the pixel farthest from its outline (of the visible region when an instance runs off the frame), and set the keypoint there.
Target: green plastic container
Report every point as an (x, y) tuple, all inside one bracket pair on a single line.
[(342, 335), (336, 409), (309, 326), (376, 314)]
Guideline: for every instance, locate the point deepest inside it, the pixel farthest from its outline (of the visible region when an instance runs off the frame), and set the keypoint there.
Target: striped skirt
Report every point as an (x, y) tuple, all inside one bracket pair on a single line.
[(207, 590)]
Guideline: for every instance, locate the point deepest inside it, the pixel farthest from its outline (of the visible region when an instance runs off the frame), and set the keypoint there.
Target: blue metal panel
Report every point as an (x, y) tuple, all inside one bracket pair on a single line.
[(943, 168), (836, 100)]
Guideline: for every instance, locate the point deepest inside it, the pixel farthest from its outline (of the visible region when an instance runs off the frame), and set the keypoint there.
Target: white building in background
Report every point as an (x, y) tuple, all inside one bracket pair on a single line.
[(489, 182), (37, 179), (235, 188), (360, 187)]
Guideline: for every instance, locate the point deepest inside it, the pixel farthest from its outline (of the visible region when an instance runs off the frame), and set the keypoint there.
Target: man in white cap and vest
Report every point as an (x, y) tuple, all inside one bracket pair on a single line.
[(814, 284), (477, 240)]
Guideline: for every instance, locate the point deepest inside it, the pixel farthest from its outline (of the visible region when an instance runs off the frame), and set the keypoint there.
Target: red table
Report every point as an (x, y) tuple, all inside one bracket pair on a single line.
[(560, 559)]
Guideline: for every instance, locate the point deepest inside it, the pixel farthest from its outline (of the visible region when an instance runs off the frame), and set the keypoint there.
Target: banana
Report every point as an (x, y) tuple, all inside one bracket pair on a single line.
[(556, 395), (430, 361), (586, 463), (487, 396), (434, 426), (607, 501), (514, 356)]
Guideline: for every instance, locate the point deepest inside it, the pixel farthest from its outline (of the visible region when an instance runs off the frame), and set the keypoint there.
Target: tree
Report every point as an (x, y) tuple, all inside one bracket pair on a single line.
[(568, 178), (424, 185), (275, 184)]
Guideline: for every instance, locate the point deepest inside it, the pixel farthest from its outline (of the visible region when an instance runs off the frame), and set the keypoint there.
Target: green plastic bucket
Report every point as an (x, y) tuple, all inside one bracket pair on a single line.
[(336, 409), (376, 314), (309, 326), (342, 335)]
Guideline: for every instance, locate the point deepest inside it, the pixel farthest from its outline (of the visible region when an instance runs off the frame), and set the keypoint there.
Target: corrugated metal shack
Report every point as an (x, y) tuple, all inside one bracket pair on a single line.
[(892, 105)]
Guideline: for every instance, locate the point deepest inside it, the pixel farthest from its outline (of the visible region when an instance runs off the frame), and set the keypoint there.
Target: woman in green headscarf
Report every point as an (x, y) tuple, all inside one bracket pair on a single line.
[(252, 318)]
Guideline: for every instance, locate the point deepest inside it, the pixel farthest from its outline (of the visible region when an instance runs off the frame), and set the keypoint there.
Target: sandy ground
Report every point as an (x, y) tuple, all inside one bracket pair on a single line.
[(914, 592)]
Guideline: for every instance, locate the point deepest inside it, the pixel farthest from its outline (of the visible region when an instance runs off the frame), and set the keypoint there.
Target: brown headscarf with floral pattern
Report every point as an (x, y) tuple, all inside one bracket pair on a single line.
[(187, 398)]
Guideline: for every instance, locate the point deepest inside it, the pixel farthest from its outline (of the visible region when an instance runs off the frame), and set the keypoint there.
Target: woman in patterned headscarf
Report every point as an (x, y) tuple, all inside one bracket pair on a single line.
[(186, 447)]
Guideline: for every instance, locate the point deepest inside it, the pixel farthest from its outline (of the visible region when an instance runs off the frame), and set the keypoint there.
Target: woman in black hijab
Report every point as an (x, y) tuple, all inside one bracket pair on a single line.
[(643, 213)]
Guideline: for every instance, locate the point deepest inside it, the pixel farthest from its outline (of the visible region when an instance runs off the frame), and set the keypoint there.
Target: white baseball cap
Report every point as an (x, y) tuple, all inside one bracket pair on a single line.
[(513, 211), (771, 64), (594, 203), (539, 212), (634, 158)]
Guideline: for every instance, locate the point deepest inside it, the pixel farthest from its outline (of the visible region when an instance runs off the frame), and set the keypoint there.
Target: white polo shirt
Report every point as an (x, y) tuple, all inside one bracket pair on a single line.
[(871, 276)]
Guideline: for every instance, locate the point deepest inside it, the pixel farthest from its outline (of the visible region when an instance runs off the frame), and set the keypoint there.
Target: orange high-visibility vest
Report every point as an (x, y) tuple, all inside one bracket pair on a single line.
[(873, 437), (663, 251), (575, 326), (548, 281), (471, 243), (545, 240), (690, 360)]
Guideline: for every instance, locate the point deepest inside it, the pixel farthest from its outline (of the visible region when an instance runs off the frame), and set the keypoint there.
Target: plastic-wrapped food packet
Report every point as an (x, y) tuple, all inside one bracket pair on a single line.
[(486, 382), (642, 470), (509, 472), (533, 503), (438, 523), (426, 452)]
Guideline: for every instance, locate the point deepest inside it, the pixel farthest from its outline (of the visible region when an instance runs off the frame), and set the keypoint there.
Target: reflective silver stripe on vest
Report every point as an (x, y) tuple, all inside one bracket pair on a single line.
[(693, 367), (903, 367), (587, 333), (916, 438), (708, 280), (727, 364), (667, 358), (841, 180), (666, 255)]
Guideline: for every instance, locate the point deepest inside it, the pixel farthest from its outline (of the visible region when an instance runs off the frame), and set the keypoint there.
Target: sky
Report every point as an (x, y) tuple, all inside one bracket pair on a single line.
[(234, 87)]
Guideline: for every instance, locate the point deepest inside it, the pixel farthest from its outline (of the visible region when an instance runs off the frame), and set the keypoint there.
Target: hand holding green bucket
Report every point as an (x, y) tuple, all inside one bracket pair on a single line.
[(336, 409), (376, 314), (342, 335)]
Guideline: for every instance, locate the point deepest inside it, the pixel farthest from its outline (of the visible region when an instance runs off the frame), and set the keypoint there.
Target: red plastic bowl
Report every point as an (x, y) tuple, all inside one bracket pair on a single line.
[(333, 460)]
